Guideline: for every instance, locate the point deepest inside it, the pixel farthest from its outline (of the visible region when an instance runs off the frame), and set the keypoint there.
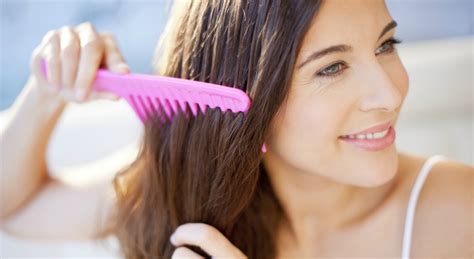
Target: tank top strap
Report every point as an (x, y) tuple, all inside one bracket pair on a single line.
[(420, 180)]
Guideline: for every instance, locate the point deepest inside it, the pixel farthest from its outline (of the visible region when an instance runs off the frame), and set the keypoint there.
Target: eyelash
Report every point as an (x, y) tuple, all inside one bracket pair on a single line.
[(391, 42)]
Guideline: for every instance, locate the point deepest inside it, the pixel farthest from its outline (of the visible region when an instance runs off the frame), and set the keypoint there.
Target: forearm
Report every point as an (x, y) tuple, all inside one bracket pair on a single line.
[(24, 139)]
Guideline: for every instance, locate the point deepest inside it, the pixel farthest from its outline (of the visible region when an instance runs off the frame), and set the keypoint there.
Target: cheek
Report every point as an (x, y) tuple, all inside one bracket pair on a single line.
[(404, 80), (305, 137), (399, 76), (309, 126)]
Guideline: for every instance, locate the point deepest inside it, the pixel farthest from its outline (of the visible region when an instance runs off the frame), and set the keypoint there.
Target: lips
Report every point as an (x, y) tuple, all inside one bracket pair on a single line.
[(376, 128), (376, 144)]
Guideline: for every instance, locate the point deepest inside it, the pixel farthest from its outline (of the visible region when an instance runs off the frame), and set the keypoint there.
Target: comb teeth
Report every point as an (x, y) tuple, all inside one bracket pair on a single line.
[(148, 106), (192, 104), (136, 107), (167, 103), (145, 107), (201, 104), (152, 106)]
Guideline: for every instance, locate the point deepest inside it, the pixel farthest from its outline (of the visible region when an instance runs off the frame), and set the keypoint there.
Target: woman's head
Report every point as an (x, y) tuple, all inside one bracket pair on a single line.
[(358, 86), (209, 168)]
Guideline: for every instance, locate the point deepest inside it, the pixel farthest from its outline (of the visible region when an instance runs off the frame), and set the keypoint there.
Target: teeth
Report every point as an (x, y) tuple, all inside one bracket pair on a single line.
[(380, 134), (376, 135)]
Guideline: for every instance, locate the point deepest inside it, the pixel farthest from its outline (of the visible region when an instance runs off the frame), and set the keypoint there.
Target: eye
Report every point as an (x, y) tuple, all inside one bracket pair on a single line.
[(335, 69), (332, 70), (388, 46)]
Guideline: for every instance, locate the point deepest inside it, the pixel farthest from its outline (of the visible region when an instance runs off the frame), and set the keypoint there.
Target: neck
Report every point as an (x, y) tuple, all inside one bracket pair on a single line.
[(315, 205)]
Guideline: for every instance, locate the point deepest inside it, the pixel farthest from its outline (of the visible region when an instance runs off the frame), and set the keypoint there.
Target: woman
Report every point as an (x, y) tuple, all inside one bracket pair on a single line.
[(317, 72)]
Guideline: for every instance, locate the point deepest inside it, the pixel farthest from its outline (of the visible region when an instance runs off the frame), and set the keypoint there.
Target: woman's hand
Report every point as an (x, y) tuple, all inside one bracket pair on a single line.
[(73, 55), (207, 237)]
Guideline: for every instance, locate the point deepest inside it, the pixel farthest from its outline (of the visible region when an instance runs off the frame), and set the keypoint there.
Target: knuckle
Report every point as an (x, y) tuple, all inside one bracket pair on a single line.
[(67, 34), (110, 42), (207, 233), (49, 34), (113, 59), (54, 35), (111, 46), (66, 28), (108, 36), (72, 50), (51, 38), (93, 45), (86, 26)]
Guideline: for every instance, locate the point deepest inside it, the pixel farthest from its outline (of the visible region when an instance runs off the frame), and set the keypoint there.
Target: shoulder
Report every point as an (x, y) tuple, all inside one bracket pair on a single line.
[(443, 223)]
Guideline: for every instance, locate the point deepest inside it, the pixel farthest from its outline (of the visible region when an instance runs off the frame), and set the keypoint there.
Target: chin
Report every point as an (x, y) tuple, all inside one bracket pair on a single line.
[(382, 170)]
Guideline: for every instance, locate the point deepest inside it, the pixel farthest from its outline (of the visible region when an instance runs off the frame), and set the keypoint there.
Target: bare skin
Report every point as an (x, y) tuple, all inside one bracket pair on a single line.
[(340, 201), (28, 193), (380, 233)]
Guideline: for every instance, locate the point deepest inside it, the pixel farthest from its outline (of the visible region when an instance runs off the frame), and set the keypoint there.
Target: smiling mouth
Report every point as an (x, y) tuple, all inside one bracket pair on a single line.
[(376, 131), (374, 135), (371, 142)]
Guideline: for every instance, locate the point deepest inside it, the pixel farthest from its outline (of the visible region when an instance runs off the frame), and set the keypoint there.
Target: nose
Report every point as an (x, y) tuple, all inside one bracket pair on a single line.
[(381, 93)]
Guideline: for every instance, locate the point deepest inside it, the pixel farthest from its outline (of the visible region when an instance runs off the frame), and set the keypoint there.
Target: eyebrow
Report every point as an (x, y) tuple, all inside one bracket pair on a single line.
[(342, 47)]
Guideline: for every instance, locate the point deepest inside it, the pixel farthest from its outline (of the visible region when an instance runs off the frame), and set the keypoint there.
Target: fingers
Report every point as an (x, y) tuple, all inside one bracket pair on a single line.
[(52, 58), (207, 238), (35, 59), (91, 55), (184, 253), (113, 57), (70, 53), (72, 57), (113, 60)]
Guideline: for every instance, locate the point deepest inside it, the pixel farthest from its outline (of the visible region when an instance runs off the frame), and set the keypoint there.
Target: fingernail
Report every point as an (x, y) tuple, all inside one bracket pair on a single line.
[(122, 67)]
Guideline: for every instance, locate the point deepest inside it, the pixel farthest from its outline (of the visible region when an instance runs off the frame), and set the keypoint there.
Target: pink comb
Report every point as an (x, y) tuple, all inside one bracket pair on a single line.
[(146, 93)]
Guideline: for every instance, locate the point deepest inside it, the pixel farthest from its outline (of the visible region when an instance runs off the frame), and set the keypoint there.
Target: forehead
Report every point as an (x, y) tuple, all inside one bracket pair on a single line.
[(346, 21)]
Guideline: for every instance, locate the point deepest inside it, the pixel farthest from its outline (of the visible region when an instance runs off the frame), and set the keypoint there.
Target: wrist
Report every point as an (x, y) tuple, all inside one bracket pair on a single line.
[(48, 104)]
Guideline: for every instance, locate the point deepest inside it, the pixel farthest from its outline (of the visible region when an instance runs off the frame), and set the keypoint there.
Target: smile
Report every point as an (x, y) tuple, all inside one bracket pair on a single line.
[(371, 141)]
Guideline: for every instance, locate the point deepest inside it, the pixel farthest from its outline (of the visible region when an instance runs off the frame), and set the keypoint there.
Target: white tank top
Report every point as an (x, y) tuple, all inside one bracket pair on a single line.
[(420, 180)]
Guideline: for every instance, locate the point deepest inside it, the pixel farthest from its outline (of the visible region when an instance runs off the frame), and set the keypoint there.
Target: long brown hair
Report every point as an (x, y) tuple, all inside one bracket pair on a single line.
[(209, 168)]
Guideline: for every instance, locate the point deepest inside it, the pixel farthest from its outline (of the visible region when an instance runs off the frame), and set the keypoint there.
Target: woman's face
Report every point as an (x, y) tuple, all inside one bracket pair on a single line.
[(340, 93)]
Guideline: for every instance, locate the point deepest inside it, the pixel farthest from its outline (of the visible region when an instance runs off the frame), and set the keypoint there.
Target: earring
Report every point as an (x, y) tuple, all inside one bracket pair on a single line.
[(264, 148)]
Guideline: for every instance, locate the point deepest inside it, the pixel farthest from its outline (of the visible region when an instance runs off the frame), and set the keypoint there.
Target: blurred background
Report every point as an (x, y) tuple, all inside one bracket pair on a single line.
[(437, 117)]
